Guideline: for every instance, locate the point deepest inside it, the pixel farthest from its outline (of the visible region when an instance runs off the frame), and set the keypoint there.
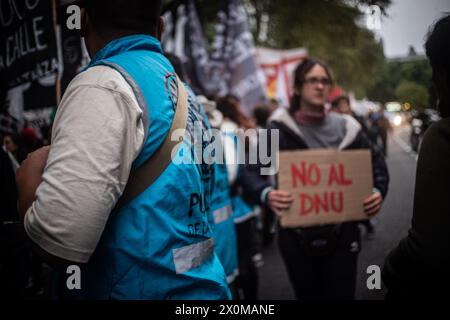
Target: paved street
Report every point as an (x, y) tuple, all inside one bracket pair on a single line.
[(391, 225)]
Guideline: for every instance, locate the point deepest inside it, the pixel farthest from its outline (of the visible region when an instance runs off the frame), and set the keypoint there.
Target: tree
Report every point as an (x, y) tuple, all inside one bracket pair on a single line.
[(395, 74), (386, 80), (413, 93)]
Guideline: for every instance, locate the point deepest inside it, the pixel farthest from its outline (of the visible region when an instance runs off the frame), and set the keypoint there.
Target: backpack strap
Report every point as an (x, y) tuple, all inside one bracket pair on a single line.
[(142, 177)]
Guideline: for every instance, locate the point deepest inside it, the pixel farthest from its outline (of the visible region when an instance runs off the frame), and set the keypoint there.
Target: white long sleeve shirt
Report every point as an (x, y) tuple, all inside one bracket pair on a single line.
[(97, 134)]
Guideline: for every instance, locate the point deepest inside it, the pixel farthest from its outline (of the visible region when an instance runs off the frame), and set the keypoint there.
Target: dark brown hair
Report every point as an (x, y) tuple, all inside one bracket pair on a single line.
[(300, 73), (138, 16), (335, 102), (437, 48)]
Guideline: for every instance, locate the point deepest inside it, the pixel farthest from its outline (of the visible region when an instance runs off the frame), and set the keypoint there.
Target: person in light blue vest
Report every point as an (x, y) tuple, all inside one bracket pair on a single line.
[(160, 244), (222, 218)]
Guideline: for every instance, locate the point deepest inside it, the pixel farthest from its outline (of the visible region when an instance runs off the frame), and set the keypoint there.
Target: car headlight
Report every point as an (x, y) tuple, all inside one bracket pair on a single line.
[(397, 120)]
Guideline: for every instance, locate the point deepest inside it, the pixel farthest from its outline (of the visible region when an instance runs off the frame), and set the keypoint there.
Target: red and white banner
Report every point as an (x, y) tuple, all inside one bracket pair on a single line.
[(278, 67)]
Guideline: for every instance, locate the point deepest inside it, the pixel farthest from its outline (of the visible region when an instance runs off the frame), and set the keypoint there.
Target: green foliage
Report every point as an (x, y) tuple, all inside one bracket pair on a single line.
[(413, 93), (394, 79), (331, 31)]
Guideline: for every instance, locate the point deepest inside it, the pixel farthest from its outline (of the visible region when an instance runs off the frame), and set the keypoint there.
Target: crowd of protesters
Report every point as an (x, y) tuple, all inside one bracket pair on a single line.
[(66, 206)]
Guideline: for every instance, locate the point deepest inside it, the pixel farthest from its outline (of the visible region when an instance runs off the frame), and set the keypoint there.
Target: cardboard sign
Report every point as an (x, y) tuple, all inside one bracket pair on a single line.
[(328, 186)]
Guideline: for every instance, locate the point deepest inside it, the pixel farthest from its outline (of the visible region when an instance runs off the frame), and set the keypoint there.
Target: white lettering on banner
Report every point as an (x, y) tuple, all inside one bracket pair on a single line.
[(192, 256), (10, 11), (39, 118), (26, 40), (37, 33), (42, 69)]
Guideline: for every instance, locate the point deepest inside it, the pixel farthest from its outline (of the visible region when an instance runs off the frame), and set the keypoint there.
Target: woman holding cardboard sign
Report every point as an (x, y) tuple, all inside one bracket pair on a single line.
[(321, 260)]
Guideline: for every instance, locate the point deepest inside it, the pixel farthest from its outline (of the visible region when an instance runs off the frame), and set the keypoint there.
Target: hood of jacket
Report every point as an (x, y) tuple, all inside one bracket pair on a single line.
[(352, 126)]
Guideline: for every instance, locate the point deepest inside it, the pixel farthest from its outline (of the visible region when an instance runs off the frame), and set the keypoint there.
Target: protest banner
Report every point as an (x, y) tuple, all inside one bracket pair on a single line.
[(328, 186), (28, 42), (278, 67)]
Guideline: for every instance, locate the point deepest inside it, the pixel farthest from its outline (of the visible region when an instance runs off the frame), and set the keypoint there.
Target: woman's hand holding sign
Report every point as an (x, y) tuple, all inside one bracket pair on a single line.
[(372, 204), (279, 201)]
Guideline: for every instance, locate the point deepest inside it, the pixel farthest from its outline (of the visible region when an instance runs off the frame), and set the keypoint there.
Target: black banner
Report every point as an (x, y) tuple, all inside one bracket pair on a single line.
[(27, 41), (183, 37)]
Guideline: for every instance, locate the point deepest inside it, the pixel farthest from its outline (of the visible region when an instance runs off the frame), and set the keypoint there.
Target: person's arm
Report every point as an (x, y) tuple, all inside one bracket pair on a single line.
[(29, 177), (97, 134)]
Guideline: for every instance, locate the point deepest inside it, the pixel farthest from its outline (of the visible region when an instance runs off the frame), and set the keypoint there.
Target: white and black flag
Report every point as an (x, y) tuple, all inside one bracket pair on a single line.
[(234, 57), (183, 36), (230, 67)]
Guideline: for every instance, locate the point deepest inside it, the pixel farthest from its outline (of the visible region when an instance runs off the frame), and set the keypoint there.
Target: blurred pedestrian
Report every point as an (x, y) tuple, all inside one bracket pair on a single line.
[(261, 114), (379, 129), (12, 144)]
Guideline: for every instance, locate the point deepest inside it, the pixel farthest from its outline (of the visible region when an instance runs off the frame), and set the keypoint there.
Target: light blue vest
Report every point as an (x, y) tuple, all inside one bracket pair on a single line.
[(223, 225), (160, 245)]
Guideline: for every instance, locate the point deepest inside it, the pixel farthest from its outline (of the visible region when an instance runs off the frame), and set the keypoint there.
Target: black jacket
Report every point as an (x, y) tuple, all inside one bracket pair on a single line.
[(418, 267)]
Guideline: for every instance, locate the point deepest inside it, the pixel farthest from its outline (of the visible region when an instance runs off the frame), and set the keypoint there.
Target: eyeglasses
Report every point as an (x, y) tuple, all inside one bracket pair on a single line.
[(316, 81)]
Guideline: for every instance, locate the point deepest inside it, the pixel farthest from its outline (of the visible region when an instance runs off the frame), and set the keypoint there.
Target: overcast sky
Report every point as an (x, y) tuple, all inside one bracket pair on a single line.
[(407, 24)]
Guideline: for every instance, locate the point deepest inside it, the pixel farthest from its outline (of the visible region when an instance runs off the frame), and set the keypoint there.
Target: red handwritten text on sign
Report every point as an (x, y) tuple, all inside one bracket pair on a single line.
[(306, 174), (328, 185)]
